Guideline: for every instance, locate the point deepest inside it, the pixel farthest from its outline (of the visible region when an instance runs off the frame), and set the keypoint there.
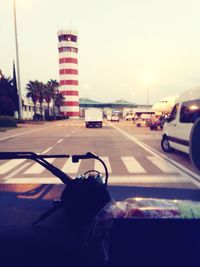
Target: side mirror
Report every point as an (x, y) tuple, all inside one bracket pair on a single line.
[(194, 145)]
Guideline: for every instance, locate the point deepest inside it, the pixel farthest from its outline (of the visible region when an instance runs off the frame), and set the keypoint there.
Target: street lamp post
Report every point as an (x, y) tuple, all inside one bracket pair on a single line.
[(17, 60), (147, 96)]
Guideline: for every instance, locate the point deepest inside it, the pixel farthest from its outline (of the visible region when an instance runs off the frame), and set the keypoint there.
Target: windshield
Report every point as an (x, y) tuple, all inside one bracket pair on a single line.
[(53, 71), (101, 77)]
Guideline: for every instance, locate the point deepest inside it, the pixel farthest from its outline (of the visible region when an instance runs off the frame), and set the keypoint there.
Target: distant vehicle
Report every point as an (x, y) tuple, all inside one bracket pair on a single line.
[(157, 122), (108, 117), (140, 122), (115, 117), (93, 117), (177, 129), (165, 105), (129, 117)]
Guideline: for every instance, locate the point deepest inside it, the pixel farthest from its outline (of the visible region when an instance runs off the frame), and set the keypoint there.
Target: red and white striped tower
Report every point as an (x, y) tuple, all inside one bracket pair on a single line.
[(68, 69)]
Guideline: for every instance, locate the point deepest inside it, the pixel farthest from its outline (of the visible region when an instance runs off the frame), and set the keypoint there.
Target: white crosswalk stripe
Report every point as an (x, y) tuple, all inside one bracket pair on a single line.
[(132, 165), (163, 165), (70, 167), (99, 167), (9, 165), (37, 168)]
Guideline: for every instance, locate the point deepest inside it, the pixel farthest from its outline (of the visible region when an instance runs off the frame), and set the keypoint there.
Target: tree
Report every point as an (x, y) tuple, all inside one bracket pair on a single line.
[(33, 88), (7, 105), (41, 97), (52, 86), (48, 92), (59, 100)]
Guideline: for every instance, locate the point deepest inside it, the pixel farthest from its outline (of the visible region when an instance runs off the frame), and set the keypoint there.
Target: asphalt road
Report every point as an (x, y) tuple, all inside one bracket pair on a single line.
[(137, 167), (133, 155)]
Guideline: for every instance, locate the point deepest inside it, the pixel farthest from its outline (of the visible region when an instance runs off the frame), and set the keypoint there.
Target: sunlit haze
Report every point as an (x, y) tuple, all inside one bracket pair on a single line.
[(124, 45)]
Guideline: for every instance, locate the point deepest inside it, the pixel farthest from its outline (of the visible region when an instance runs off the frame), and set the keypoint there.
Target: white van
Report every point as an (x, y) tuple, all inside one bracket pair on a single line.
[(177, 129)]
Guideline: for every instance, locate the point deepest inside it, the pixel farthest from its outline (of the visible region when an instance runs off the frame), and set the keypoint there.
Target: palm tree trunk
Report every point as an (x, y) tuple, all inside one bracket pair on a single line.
[(34, 111), (41, 111)]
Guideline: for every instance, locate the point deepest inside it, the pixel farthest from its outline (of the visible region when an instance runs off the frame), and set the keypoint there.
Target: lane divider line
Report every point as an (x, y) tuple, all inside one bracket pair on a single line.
[(59, 141), (27, 132)]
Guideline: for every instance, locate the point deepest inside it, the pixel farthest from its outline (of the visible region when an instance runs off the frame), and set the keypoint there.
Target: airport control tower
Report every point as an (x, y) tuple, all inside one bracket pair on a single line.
[(68, 70)]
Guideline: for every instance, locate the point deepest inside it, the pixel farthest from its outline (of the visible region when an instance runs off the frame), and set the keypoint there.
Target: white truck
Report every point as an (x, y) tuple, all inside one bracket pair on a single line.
[(93, 117)]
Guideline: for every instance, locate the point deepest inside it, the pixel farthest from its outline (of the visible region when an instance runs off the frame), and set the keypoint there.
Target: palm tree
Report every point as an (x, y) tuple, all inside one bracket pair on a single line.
[(48, 93), (34, 88), (7, 104), (52, 86), (59, 100), (41, 97)]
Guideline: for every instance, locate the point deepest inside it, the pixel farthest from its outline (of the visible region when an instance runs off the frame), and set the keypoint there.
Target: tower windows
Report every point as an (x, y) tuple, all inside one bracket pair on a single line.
[(67, 37), (68, 49)]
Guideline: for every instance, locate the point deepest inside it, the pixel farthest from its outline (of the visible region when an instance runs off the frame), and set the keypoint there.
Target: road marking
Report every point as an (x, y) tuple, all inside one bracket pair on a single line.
[(163, 165), (59, 141), (161, 179), (132, 165), (70, 167), (16, 171), (132, 179), (46, 150), (27, 132), (99, 167), (37, 168), (192, 176), (6, 167)]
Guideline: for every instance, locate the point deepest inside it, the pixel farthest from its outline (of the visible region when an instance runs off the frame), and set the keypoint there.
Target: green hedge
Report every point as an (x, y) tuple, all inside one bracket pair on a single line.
[(7, 121)]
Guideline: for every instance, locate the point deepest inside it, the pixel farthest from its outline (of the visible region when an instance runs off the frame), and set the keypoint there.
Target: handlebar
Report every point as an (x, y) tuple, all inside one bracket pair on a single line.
[(41, 159)]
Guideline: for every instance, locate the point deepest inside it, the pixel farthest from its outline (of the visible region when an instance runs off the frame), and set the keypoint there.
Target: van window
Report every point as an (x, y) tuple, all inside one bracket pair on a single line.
[(190, 111), (173, 113)]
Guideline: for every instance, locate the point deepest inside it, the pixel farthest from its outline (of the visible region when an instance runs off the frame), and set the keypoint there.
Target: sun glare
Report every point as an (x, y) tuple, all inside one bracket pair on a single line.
[(148, 78)]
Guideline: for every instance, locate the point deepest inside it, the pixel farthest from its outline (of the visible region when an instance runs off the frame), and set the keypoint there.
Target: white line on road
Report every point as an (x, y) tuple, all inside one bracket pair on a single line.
[(163, 165), (6, 167), (16, 171), (133, 179), (132, 165), (46, 150), (27, 132), (191, 176), (70, 167), (37, 168), (59, 141), (99, 167)]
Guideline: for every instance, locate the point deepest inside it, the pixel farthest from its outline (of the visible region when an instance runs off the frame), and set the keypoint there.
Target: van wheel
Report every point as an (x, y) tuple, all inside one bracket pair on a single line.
[(195, 145), (165, 145)]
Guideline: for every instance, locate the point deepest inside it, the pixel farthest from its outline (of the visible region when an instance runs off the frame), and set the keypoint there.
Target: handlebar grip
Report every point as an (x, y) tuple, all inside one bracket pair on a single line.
[(88, 155)]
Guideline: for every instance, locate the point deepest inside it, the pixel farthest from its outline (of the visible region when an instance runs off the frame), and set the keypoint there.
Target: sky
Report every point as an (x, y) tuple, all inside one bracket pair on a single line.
[(126, 47)]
